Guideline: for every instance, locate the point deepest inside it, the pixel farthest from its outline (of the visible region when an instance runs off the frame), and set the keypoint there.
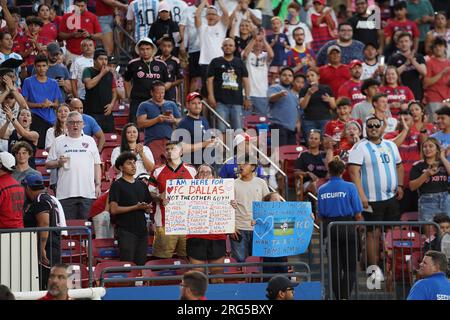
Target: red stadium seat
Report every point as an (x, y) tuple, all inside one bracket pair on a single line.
[(104, 250), (164, 272), (84, 274), (288, 155), (116, 275), (112, 140), (232, 270), (80, 235), (251, 121), (253, 269), (120, 122), (72, 251), (40, 157)]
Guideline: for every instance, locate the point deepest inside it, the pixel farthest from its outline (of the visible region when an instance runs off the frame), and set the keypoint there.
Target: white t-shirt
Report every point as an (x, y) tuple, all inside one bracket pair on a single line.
[(289, 28), (78, 180), (258, 70), (191, 38), (76, 73), (368, 70), (245, 192), (178, 9), (211, 38), (140, 168), (15, 111)]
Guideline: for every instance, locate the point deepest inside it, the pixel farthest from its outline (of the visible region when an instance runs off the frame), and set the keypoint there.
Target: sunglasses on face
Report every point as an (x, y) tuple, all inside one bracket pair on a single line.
[(374, 125)]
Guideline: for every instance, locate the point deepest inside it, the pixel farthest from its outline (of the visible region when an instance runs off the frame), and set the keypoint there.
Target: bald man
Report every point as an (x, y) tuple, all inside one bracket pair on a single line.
[(91, 127), (227, 76)]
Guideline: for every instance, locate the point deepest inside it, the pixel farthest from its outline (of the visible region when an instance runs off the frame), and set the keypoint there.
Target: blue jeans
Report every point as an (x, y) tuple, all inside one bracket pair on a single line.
[(240, 250), (307, 125), (107, 23), (232, 113), (430, 204), (260, 106)]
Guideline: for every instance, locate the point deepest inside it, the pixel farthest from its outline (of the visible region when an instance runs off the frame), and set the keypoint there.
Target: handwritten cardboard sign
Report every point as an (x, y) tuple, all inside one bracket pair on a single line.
[(199, 206), (282, 228)]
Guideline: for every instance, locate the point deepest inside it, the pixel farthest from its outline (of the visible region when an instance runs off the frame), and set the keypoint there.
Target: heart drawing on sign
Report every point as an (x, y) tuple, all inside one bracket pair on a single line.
[(262, 228), (169, 190)]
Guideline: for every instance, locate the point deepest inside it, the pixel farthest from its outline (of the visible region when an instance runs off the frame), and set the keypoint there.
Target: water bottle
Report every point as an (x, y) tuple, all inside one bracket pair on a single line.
[(445, 245)]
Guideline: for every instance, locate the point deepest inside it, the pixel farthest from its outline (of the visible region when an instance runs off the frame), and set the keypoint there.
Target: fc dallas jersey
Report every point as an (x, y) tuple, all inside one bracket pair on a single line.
[(400, 94), (158, 182), (335, 128), (352, 90)]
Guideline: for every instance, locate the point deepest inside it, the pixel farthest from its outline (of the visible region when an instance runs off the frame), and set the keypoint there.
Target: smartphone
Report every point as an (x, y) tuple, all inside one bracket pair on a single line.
[(80, 30), (382, 61), (168, 113), (58, 78)]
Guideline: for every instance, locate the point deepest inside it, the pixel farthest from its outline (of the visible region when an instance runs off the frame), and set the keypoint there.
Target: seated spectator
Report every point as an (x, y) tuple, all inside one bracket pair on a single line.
[(410, 65), (334, 74), (207, 248), (421, 124), (21, 132), (351, 49), (42, 95), (317, 101), (421, 12), (101, 93), (129, 200), (430, 177), (440, 30), (242, 37), (58, 282), (91, 127), (300, 58), (351, 89), (323, 23), (311, 163), (372, 68), (22, 151), (12, 197), (436, 83), (398, 96), (433, 242), (257, 57), (77, 67), (443, 123), (280, 288), (293, 22), (279, 43), (130, 142), (193, 286), (173, 67), (365, 108), (49, 30), (165, 27), (247, 189), (157, 116), (79, 173), (400, 22)]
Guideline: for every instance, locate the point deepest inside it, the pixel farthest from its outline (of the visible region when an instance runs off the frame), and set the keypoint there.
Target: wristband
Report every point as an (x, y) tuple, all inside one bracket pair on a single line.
[(12, 120)]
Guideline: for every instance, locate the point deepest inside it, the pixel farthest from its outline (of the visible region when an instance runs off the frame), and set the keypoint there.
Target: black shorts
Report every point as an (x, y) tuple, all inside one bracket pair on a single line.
[(387, 210), (194, 67), (205, 249)]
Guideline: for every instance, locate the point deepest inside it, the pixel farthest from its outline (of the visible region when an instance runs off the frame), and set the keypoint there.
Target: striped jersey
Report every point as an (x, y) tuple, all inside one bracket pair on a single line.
[(378, 168), (177, 9), (144, 13)]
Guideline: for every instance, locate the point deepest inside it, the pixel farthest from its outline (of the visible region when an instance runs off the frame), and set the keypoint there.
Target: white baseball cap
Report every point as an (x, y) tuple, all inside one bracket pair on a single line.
[(145, 40), (7, 160), (164, 6)]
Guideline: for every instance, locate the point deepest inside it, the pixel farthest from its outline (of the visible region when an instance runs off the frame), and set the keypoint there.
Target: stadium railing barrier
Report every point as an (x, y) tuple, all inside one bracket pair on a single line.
[(355, 273), (77, 294), (20, 268)]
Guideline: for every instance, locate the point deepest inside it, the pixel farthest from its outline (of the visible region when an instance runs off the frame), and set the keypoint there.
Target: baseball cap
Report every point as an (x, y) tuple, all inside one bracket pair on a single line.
[(191, 96), (113, 60), (143, 176), (279, 283), (11, 63), (33, 181), (164, 6), (100, 52), (320, 1), (53, 48), (371, 44), (145, 40), (354, 63), (333, 47), (7, 160)]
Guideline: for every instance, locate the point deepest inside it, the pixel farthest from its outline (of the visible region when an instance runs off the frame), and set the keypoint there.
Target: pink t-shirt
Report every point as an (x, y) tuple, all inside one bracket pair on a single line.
[(441, 89)]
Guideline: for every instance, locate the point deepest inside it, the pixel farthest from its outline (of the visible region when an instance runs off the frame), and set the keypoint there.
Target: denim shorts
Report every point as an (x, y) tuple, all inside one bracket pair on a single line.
[(107, 23), (430, 204)]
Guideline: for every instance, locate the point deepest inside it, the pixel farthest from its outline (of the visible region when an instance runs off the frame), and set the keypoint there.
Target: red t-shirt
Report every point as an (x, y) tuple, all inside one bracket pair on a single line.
[(102, 9), (89, 22), (48, 296), (49, 33), (16, 43), (441, 89), (352, 90), (408, 26), (24, 43), (12, 198), (335, 128), (334, 77), (400, 94), (57, 20)]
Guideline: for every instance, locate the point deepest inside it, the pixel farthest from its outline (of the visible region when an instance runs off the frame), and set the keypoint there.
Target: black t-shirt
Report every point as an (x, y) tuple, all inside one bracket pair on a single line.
[(142, 75), (410, 77), (126, 195), (228, 79), (241, 44), (364, 29), (317, 109), (307, 162), (436, 183), (175, 73), (160, 28), (44, 203), (100, 95)]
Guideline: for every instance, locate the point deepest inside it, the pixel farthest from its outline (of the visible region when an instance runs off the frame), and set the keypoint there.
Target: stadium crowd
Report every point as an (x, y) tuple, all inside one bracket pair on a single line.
[(88, 133)]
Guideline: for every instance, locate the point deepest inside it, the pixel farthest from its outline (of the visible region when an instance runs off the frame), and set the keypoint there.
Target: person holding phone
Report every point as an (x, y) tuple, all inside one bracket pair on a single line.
[(430, 177)]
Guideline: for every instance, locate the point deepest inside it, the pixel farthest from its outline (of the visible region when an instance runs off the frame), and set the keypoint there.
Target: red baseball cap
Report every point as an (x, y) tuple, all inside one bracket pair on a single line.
[(354, 63), (191, 96), (322, 2)]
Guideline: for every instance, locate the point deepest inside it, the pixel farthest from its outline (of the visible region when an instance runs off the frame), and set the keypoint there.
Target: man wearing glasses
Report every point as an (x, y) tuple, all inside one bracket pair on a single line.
[(376, 168), (76, 157), (350, 49), (280, 288)]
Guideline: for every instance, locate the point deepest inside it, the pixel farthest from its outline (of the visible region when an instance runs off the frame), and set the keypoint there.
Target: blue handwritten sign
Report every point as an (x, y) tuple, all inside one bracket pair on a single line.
[(282, 228)]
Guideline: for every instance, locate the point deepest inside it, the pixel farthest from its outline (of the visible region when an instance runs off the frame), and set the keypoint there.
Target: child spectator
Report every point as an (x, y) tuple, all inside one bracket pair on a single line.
[(293, 22), (365, 108), (279, 43), (31, 42), (440, 30), (173, 67), (323, 23), (165, 27)]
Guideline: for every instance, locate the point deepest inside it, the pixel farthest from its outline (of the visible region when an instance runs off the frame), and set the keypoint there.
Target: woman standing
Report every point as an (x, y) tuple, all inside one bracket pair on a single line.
[(130, 142), (49, 31), (430, 177), (244, 37), (420, 123), (398, 95)]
